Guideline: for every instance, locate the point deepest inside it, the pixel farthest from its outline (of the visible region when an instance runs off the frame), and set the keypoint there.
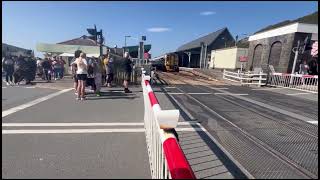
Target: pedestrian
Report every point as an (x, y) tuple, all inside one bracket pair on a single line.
[(97, 70), (103, 72), (62, 63), (90, 78), (127, 67), (56, 68), (304, 68), (109, 70), (8, 66), (82, 71), (105, 62), (74, 71), (46, 65), (313, 66)]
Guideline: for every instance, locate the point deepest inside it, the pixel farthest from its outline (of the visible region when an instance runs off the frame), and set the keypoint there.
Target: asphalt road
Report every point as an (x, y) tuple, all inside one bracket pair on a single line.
[(231, 119), (251, 132), (271, 133), (114, 148)]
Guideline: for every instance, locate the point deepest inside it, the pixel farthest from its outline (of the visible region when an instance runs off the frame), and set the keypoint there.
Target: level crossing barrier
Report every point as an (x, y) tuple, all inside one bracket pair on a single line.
[(298, 81), (166, 158), (245, 78)]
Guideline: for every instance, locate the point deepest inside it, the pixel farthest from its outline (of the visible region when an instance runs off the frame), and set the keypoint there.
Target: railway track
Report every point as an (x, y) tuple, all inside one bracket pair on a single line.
[(292, 149)]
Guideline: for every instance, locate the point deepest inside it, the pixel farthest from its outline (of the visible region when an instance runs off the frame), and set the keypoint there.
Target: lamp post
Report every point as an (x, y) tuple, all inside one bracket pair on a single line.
[(125, 43)]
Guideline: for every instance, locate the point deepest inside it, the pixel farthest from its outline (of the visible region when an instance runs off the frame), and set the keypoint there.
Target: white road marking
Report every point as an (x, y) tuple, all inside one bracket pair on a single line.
[(190, 129), (293, 94), (313, 122), (189, 123), (69, 131), (276, 109), (169, 93), (176, 93), (34, 102), (4, 87), (231, 94), (199, 93), (169, 87), (68, 124), (218, 88), (265, 89), (30, 87), (83, 124), (73, 131)]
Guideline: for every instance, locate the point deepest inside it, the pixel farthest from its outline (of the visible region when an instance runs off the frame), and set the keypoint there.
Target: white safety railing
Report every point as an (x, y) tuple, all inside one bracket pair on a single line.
[(166, 158), (295, 81), (245, 78)]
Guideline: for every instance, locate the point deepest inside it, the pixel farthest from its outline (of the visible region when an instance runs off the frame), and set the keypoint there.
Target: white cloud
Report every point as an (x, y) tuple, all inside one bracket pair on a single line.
[(158, 29), (207, 13)]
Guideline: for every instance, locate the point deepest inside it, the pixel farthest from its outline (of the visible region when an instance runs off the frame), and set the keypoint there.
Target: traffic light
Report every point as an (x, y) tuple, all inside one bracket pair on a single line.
[(93, 32), (306, 44)]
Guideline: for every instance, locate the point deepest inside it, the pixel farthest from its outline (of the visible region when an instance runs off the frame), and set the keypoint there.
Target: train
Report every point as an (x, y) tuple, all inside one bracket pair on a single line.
[(167, 62)]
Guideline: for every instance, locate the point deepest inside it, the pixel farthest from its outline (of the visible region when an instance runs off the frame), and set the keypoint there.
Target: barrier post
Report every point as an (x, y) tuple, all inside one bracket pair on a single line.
[(260, 77), (166, 157)]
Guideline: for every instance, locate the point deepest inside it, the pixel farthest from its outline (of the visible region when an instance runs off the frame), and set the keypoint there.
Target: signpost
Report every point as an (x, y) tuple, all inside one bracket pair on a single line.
[(243, 59)]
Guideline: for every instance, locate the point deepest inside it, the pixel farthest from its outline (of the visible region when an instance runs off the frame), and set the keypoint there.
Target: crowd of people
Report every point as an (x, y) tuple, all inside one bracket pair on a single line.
[(96, 72), (308, 68), (49, 68), (86, 71), (18, 68)]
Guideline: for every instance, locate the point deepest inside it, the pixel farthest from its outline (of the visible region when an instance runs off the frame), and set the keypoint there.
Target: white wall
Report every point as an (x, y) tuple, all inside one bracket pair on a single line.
[(227, 58)]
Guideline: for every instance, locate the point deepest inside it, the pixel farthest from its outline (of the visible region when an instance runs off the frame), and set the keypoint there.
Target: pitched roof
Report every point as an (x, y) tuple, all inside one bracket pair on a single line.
[(208, 39), (83, 41), (308, 19)]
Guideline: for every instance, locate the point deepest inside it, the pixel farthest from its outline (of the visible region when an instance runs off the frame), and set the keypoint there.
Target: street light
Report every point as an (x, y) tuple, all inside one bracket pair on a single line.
[(125, 42)]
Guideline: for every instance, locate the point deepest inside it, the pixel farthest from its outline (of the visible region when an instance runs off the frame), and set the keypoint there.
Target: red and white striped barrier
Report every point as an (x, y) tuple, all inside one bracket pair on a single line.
[(166, 158), (295, 81)]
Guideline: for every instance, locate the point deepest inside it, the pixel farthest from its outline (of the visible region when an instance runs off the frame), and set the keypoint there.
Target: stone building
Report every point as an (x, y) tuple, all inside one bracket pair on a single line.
[(273, 45)]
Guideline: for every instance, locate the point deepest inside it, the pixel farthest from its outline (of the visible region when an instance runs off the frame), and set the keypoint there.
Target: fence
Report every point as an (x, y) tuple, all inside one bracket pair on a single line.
[(119, 74), (166, 158), (298, 81), (245, 78)]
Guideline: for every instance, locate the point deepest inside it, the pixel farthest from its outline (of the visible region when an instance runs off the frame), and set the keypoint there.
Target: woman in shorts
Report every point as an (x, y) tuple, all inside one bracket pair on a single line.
[(82, 71)]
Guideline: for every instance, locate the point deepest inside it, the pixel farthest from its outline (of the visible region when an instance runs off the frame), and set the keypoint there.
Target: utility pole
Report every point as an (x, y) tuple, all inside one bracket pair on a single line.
[(295, 61)]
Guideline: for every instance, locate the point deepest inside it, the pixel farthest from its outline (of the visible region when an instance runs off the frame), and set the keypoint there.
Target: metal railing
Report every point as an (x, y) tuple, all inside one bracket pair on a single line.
[(166, 158), (298, 81), (247, 78)]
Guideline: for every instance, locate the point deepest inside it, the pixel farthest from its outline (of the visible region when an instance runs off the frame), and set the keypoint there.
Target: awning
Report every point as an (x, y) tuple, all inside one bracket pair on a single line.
[(72, 55), (69, 49)]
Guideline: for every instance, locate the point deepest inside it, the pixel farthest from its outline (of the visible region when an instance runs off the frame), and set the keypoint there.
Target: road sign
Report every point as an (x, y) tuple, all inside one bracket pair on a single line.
[(243, 58)]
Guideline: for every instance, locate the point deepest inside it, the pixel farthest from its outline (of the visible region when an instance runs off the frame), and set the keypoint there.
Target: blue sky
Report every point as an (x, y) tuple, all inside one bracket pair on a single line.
[(167, 25)]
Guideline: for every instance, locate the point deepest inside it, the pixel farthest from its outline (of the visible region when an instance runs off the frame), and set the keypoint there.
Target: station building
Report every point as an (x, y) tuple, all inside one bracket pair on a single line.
[(197, 53)]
